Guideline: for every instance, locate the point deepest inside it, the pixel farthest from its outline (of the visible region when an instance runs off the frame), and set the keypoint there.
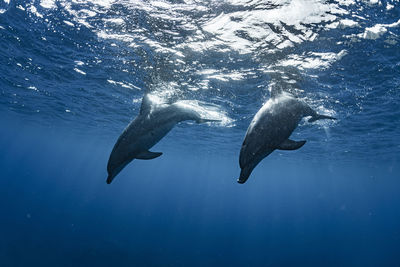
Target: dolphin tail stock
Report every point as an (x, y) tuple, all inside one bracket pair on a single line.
[(194, 115), (206, 120), (320, 117)]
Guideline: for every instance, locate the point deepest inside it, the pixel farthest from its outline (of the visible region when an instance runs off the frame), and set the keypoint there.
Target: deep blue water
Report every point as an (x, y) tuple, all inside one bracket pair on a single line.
[(72, 75)]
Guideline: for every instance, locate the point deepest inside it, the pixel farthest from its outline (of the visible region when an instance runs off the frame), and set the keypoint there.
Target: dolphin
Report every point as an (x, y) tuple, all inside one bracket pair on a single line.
[(154, 121), (270, 129)]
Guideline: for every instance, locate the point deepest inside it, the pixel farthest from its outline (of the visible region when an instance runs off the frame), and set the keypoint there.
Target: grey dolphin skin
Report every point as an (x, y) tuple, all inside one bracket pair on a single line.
[(270, 129), (150, 126)]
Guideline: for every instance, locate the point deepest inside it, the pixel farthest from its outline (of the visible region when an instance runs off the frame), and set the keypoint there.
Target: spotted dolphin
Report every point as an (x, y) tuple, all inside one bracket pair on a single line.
[(270, 129), (154, 121)]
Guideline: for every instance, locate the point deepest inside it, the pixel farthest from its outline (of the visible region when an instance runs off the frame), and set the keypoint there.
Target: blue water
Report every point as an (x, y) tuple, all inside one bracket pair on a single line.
[(72, 75)]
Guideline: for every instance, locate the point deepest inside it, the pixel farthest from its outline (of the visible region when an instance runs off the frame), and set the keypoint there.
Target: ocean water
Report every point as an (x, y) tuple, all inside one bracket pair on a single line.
[(72, 76)]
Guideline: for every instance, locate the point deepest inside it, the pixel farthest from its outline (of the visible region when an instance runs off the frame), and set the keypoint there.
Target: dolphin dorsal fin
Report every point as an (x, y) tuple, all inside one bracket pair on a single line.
[(275, 91), (145, 107)]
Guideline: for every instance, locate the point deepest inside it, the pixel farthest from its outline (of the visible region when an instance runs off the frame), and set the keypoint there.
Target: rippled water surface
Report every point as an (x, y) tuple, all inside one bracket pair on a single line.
[(89, 63), (72, 76)]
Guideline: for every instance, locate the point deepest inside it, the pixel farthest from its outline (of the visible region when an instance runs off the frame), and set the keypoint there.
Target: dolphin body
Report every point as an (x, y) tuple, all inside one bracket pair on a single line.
[(270, 129), (150, 126)]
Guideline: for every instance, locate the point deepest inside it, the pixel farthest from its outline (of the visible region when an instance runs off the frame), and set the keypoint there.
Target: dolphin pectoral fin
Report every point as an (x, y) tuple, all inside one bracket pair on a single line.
[(291, 145), (320, 117), (148, 155)]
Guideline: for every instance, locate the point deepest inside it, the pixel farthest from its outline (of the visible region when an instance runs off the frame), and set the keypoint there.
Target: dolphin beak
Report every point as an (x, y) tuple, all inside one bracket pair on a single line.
[(241, 181), (244, 174), (114, 172), (110, 178)]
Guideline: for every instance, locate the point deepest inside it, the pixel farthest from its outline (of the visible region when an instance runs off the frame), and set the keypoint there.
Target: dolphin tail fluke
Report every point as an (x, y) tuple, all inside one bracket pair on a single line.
[(320, 117)]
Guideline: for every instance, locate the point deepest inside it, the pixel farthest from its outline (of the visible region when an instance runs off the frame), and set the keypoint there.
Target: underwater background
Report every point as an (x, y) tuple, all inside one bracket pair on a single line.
[(72, 76)]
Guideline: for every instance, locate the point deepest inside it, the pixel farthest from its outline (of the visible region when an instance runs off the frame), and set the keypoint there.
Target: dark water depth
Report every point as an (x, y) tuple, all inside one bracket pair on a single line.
[(185, 209)]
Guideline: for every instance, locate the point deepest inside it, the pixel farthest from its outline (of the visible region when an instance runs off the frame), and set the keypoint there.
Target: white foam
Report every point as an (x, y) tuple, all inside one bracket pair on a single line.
[(116, 21), (161, 4), (79, 71), (389, 6), (49, 4), (373, 2), (378, 30), (120, 37), (347, 23), (245, 31), (374, 32), (123, 84), (103, 3), (69, 23), (34, 11), (79, 63), (346, 2), (391, 41), (312, 60), (33, 88), (4, 4), (223, 76)]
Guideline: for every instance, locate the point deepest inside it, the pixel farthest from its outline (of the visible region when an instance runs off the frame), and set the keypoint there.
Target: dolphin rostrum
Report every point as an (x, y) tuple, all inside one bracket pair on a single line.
[(154, 121), (270, 129)]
